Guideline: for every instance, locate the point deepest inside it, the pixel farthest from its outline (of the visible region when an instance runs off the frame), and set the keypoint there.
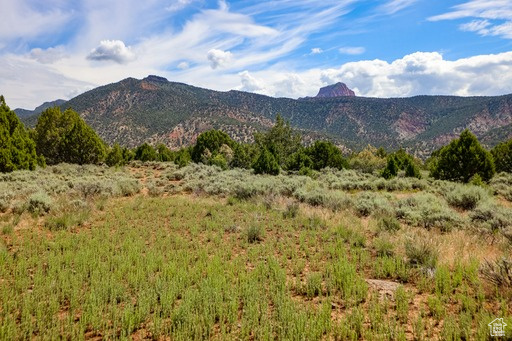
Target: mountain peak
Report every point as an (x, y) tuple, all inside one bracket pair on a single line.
[(156, 79), (335, 90)]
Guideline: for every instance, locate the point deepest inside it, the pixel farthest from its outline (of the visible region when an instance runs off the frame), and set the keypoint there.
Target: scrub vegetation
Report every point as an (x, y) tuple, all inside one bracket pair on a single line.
[(151, 250)]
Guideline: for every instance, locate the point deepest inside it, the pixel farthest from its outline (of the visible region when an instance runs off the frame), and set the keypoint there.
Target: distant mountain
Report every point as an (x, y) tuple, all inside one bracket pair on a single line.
[(335, 90), (26, 113), (155, 110)]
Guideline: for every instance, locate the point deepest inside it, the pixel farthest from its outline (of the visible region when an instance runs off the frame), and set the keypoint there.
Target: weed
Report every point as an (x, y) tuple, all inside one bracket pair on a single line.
[(7, 229), (351, 236), (389, 224), (313, 284), (384, 247), (498, 272), (291, 211), (254, 233), (402, 303), (421, 253)]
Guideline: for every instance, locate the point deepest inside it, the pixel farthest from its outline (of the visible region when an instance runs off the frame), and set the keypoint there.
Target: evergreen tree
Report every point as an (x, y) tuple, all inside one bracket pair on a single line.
[(65, 137), (391, 169), (128, 155), (17, 149), (300, 160), (243, 156), (280, 140), (502, 154), (182, 157), (266, 163), (211, 140), (462, 159), (411, 169), (115, 156), (145, 152), (325, 154), (164, 154)]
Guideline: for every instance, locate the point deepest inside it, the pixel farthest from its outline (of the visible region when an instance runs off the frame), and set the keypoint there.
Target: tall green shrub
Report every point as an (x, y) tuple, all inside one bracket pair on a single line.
[(266, 164), (212, 142), (462, 159), (65, 137), (280, 140), (115, 156), (145, 152), (502, 155), (17, 150)]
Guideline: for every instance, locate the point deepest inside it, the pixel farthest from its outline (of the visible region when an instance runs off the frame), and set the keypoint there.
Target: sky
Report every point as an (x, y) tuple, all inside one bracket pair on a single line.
[(287, 48)]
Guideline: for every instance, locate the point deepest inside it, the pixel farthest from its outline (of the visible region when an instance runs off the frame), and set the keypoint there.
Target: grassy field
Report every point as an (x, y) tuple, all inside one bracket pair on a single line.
[(154, 252)]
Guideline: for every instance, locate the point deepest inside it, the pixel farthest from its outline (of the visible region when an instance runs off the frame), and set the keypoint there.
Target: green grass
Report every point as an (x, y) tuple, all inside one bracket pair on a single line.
[(229, 266)]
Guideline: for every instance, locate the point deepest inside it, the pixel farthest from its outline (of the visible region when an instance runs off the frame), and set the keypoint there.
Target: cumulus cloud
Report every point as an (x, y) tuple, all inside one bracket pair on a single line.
[(352, 50), (219, 58), (426, 73), (420, 73), (47, 56), (112, 50), (492, 17), (316, 50), (249, 83)]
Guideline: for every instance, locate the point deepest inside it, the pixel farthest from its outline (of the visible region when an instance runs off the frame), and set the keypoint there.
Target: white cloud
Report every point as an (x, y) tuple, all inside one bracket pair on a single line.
[(494, 17), (112, 50), (420, 73), (26, 83), (183, 66), (249, 83), (316, 50), (476, 26), (20, 20), (393, 6), (352, 50), (219, 58), (49, 55), (178, 5)]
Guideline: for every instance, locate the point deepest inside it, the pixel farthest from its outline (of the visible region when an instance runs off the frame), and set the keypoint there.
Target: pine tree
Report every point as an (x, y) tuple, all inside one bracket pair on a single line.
[(17, 149), (462, 159)]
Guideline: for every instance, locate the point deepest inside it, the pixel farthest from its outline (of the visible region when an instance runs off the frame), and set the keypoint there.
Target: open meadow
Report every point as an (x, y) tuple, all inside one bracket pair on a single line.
[(153, 251)]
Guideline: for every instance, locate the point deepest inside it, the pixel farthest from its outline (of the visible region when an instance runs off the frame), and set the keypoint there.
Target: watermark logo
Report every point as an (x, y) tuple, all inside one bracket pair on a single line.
[(497, 327)]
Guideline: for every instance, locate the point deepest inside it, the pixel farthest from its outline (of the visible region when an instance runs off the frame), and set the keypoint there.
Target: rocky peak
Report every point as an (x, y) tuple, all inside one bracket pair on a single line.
[(156, 79), (335, 90)]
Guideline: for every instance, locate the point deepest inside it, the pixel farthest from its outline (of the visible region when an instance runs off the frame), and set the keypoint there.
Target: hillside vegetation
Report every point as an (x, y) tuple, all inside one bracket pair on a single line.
[(155, 110)]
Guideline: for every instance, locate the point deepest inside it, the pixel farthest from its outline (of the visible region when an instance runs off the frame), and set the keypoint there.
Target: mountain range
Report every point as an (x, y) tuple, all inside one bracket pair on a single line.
[(156, 110)]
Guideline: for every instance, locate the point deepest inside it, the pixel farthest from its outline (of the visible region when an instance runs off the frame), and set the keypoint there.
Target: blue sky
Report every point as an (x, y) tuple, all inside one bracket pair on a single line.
[(286, 48)]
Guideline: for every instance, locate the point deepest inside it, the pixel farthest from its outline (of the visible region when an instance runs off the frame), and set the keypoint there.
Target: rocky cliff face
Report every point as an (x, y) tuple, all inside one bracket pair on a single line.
[(336, 90)]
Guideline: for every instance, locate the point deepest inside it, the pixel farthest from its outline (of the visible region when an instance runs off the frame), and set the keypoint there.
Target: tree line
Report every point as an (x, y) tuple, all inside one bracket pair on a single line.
[(63, 136)]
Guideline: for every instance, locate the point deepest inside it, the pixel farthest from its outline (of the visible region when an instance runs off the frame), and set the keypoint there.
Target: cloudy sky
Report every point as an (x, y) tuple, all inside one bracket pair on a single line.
[(287, 48)]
